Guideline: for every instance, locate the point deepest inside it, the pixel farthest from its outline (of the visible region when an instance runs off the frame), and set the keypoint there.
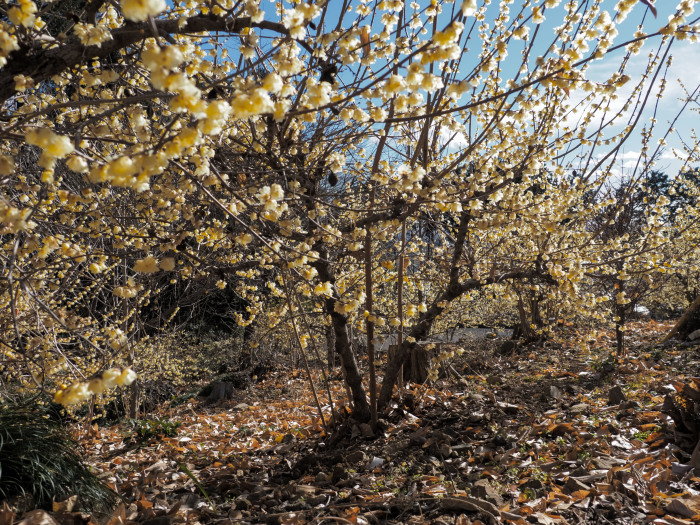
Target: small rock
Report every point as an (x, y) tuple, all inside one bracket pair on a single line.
[(356, 456), (694, 335), (482, 489), (322, 477), (556, 392), (579, 408), (616, 396)]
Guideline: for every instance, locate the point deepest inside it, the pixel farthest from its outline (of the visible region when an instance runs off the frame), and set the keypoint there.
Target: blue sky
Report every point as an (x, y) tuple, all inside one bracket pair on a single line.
[(684, 69)]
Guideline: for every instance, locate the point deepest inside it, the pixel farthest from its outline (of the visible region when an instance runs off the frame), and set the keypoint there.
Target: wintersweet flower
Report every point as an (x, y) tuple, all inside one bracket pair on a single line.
[(324, 289), (24, 14), (54, 146), (127, 377), (140, 10), (468, 7), (109, 377), (7, 165), (167, 264), (92, 35), (77, 164), (146, 265)]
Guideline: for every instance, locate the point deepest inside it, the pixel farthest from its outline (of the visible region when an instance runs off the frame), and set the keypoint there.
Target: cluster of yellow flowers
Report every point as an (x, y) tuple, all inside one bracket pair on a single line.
[(8, 42), (82, 391), (92, 35), (150, 264), (23, 14), (54, 146), (13, 220)]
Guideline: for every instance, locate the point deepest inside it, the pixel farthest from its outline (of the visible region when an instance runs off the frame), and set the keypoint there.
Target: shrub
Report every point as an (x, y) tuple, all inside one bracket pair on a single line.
[(39, 462)]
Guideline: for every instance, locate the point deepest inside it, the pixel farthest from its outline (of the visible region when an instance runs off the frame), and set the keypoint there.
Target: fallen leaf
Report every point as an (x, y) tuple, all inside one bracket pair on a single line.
[(37, 517), (7, 516)]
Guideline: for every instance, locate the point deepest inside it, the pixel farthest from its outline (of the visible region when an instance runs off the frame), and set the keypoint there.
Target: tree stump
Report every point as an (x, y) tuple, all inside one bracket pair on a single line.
[(418, 365), (220, 390)]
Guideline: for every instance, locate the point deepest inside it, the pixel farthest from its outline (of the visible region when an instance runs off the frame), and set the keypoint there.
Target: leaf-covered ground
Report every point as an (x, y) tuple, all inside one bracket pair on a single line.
[(549, 435)]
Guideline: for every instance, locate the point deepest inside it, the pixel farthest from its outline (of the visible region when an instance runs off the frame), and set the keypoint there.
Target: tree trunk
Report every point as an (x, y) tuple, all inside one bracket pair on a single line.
[(339, 322), (620, 329), (525, 325), (343, 348), (330, 348), (689, 322)]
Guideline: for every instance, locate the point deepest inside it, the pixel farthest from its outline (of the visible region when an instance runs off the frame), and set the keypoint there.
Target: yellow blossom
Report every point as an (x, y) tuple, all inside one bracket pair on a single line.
[(167, 264), (146, 265), (140, 10), (24, 14)]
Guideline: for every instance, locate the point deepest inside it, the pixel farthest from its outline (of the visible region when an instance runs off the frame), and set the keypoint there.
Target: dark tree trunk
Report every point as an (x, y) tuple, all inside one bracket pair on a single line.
[(353, 378), (330, 348), (620, 330), (343, 348)]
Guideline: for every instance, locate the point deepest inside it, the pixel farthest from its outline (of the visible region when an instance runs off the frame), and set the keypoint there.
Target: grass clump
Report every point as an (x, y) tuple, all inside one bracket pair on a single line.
[(144, 430), (39, 463)]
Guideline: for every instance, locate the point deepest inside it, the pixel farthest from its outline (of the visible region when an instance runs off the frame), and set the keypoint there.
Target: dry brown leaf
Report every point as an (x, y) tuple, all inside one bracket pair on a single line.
[(37, 517), (561, 429), (686, 506), (364, 39), (7, 516), (118, 516), (67, 505)]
